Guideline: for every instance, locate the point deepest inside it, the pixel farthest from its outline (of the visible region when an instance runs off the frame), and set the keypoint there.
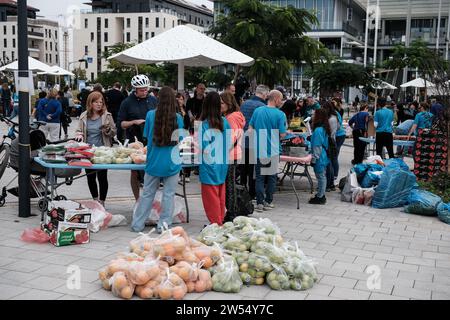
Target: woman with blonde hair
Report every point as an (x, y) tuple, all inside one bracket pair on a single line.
[(49, 111), (96, 127)]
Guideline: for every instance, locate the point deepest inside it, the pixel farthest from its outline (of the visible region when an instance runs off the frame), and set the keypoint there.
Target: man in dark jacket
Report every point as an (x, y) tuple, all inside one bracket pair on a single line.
[(194, 104), (114, 98)]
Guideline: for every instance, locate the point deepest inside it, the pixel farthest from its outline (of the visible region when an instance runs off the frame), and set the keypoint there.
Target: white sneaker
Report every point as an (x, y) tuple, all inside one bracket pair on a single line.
[(259, 208), (187, 179), (268, 206)]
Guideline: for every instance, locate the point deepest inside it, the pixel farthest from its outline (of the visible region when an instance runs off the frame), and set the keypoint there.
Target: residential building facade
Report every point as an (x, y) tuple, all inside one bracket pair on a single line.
[(111, 22), (43, 34)]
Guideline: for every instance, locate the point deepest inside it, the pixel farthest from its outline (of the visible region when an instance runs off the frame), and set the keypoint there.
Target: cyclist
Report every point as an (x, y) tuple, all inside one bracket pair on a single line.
[(131, 118)]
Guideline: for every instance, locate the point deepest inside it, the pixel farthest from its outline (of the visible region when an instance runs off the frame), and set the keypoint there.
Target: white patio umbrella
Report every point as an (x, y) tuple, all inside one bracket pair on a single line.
[(380, 85), (418, 83), (185, 47), (33, 65), (57, 71)]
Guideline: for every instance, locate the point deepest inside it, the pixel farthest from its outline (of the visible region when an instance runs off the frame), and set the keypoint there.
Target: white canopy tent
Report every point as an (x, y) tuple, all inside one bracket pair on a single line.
[(33, 65), (380, 85), (183, 46), (418, 83), (57, 71)]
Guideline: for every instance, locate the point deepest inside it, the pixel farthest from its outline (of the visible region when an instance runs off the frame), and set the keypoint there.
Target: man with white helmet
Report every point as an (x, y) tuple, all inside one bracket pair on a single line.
[(131, 118)]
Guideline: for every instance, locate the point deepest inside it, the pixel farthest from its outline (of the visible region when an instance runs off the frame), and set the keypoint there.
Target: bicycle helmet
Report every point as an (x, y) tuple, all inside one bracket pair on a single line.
[(140, 81)]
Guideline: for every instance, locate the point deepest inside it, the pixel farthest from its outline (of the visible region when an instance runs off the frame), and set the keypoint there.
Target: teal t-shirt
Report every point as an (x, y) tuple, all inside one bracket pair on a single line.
[(423, 120), (161, 161), (214, 150), (319, 138), (340, 131), (384, 117), (264, 120)]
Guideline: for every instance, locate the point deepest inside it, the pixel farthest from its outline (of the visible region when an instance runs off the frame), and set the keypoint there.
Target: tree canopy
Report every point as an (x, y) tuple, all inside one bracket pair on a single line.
[(273, 36)]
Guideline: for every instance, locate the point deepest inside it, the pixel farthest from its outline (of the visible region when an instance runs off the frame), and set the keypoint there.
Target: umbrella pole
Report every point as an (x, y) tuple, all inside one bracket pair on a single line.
[(180, 76)]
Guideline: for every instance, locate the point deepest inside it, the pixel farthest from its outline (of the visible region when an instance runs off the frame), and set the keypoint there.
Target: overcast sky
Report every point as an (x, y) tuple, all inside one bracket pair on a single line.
[(51, 8)]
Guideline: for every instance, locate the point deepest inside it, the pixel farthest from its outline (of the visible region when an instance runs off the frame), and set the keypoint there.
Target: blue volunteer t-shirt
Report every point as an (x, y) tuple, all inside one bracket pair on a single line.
[(340, 131), (319, 139), (159, 159), (214, 151), (423, 120), (384, 117), (264, 120)]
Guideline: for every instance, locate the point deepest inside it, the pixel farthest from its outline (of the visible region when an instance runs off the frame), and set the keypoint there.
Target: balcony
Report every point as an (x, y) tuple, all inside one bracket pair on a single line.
[(35, 34), (33, 48), (344, 26)]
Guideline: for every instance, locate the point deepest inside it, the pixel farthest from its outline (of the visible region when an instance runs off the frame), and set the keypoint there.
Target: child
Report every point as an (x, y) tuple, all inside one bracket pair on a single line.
[(160, 124), (213, 167), (96, 127), (319, 145)]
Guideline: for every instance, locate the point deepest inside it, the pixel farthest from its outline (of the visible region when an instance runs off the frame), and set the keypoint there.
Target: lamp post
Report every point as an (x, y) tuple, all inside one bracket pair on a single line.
[(24, 109)]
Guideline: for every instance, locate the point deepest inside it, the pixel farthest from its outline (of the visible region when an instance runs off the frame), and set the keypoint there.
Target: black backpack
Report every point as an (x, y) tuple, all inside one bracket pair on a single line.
[(332, 148), (244, 204)]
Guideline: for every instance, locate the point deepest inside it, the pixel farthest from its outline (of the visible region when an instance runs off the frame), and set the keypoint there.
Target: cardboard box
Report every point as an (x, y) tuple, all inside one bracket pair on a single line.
[(66, 211), (69, 234)]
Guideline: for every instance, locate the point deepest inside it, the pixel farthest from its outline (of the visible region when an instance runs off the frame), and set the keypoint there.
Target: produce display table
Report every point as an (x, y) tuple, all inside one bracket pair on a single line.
[(50, 180), (292, 163), (400, 143)]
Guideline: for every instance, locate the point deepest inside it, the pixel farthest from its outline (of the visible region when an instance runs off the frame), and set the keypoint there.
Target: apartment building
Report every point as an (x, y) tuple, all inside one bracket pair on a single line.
[(111, 22), (43, 34)]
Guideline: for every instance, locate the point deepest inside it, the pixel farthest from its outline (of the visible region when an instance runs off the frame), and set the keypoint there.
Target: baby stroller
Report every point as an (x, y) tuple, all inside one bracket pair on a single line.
[(38, 173)]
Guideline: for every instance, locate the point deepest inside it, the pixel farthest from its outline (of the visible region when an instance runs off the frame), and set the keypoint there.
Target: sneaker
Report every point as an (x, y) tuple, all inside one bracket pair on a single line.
[(259, 208), (269, 206), (317, 200), (333, 188), (187, 179), (254, 202)]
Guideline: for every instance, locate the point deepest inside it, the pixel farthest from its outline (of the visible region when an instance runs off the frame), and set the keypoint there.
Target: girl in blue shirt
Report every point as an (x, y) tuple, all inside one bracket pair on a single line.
[(163, 160), (214, 149), (319, 146)]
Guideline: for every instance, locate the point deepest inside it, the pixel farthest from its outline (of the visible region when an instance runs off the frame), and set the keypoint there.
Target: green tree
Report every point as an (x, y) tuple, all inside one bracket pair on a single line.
[(273, 36), (330, 76)]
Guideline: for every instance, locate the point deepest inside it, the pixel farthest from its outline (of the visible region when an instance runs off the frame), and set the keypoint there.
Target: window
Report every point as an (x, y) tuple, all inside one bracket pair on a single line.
[(13, 30), (92, 37), (46, 32), (51, 46), (128, 37), (146, 22), (13, 56), (56, 59), (92, 76), (173, 23), (164, 26), (5, 43), (153, 34), (4, 30), (105, 37), (128, 23), (50, 58), (4, 55), (349, 14), (106, 23), (86, 23), (46, 45), (157, 22), (14, 43), (56, 34), (46, 57), (146, 36), (106, 49), (86, 50)]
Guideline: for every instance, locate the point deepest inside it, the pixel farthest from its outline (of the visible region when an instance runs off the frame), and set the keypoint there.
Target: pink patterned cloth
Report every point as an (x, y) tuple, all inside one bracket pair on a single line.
[(302, 160)]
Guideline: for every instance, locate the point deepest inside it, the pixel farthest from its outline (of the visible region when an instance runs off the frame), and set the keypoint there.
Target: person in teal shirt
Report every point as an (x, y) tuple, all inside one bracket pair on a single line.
[(214, 148), (384, 123), (268, 124), (423, 120), (319, 147), (163, 160)]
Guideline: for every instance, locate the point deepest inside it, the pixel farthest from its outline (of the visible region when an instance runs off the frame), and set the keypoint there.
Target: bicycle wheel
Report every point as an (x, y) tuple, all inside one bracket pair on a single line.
[(4, 158)]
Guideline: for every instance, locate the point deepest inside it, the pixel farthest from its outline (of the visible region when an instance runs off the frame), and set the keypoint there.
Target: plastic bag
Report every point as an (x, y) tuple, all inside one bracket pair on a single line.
[(227, 279), (186, 271), (350, 185), (259, 263), (173, 287), (422, 202), (208, 255), (268, 226), (225, 261), (100, 218), (242, 221), (278, 279), (141, 272), (169, 245), (235, 244), (443, 211), (396, 163), (372, 178), (35, 235), (375, 160), (178, 214), (143, 244), (368, 196), (394, 188), (271, 251), (358, 196), (121, 286), (211, 234), (202, 284)]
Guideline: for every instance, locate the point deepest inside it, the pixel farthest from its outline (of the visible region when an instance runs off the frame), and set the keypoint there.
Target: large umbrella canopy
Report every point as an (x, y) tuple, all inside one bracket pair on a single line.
[(57, 71), (418, 83), (33, 65), (185, 47), (380, 85)]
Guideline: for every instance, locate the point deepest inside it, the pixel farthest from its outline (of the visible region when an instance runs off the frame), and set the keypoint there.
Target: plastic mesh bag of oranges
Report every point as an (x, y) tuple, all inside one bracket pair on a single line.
[(121, 286), (173, 287)]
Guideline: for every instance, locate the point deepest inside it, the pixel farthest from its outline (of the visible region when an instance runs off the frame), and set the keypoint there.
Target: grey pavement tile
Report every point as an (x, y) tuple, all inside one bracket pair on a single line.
[(350, 244), (54, 270), (368, 240), (19, 277), (411, 293), (443, 264), (24, 266), (320, 297), (9, 291), (320, 289), (370, 261), (443, 249), (340, 257), (420, 261), (402, 266), (407, 252), (389, 257), (286, 295), (255, 291), (436, 255), (60, 259), (69, 297), (35, 294), (385, 287), (220, 296), (338, 281), (332, 271), (8, 252), (361, 253), (102, 294), (7, 261), (415, 275), (89, 263), (440, 295), (432, 286), (349, 294), (196, 296), (44, 283), (378, 248), (381, 296), (349, 266), (330, 248), (85, 289)]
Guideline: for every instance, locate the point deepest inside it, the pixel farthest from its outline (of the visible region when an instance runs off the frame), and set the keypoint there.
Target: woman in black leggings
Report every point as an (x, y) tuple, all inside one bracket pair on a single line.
[(96, 127)]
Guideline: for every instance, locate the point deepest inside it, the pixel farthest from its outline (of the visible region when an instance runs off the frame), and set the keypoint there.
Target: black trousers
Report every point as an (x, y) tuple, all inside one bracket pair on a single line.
[(359, 147), (102, 176), (230, 190), (247, 174), (384, 139)]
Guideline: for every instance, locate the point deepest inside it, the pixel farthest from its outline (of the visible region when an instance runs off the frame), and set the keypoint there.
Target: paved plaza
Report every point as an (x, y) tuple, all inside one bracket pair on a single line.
[(353, 246)]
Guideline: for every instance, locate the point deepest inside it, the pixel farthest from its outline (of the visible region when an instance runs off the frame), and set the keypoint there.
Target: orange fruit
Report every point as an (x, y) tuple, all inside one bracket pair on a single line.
[(200, 286), (126, 293), (178, 293), (165, 293)]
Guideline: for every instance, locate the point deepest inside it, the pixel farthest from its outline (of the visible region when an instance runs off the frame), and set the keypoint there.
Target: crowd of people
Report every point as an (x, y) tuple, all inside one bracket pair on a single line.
[(252, 129)]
